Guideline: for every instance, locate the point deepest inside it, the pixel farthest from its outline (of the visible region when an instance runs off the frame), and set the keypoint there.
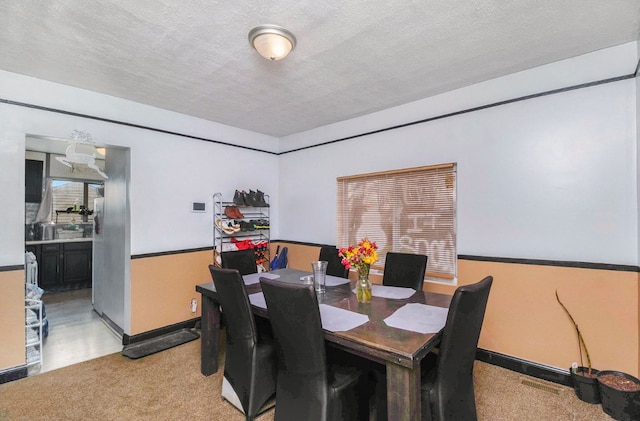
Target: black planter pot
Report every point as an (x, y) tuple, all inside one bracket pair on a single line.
[(618, 404), (586, 388)]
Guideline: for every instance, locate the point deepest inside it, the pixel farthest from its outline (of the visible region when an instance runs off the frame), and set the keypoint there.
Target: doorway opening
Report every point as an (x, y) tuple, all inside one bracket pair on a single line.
[(60, 230)]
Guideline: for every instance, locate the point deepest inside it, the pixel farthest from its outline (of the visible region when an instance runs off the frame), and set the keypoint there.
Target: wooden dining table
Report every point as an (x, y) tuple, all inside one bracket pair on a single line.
[(398, 349)]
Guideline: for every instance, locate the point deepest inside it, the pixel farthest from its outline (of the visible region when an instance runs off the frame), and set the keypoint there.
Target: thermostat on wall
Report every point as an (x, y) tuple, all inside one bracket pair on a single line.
[(198, 207)]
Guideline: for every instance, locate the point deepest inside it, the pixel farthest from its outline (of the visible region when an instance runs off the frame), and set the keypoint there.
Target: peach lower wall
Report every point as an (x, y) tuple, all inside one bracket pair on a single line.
[(12, 319), (524, 320), (162, 288)]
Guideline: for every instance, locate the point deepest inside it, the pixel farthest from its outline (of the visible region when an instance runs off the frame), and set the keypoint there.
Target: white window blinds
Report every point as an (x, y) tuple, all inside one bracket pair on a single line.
[(411, 211)]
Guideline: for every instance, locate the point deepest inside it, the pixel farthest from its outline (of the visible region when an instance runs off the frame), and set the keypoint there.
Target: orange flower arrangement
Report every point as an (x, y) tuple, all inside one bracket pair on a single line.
[(364, 254), (361, 257)]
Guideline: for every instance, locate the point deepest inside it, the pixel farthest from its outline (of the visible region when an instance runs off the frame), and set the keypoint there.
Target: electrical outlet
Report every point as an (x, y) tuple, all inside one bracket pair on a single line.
[(194, 305)]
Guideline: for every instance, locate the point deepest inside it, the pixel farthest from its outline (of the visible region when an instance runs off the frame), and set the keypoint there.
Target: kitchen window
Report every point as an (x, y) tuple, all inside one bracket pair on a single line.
[(73, 201), (411, 210)]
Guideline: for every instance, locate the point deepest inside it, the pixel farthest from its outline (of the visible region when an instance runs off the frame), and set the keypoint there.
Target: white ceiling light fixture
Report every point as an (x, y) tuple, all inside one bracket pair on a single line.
[(272, 42)]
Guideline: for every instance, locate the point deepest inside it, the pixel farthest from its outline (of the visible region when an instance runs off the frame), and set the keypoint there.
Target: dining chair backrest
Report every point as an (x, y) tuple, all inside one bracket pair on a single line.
[(242, 260), (452, 393), (249, 365), (300, 349), (404, 270), (334, 262)]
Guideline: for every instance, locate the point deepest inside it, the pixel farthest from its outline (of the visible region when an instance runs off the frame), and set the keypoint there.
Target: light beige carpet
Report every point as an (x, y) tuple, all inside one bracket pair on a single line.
[(504, 395), (169, 386)]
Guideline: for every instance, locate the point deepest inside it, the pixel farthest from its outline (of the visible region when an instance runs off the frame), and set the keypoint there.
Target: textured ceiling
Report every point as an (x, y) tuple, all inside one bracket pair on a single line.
[(352, 58)]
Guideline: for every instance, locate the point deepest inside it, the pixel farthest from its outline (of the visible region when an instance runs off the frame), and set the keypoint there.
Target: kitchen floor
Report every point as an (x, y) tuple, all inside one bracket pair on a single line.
[(76, 332)]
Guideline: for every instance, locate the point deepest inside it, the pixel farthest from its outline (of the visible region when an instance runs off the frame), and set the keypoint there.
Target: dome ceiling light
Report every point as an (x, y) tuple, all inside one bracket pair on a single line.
[(272, 42)]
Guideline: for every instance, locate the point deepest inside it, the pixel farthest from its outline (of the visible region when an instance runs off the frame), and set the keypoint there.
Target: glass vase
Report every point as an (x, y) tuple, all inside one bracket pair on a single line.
[(363, 285)]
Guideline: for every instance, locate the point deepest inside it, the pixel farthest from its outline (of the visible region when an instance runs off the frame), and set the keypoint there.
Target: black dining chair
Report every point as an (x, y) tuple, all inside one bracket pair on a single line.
[(447, 380), (309, 387), (404, 270), (334, 262), (249, 381), (242, 260)]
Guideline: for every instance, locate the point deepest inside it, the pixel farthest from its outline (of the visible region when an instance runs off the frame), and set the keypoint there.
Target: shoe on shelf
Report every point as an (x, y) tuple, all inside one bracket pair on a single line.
[(260, 200), (238, 199), (234, 226), (227, 226), (260, 224), (251, 198), (245, 198), (242, 244), (232, 212), (244, 226)]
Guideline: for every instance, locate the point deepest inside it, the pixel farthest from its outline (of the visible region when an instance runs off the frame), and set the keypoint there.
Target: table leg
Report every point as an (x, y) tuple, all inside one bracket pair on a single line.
[(403, 392), (210, 331)]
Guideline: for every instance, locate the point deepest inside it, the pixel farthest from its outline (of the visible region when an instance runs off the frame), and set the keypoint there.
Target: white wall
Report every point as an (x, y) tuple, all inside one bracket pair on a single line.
[(168, 172), (592, 67), (552, 177), (12, 155)]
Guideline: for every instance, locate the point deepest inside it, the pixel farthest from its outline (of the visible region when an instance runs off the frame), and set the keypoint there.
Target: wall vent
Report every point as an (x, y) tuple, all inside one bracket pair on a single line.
[(540, 385)]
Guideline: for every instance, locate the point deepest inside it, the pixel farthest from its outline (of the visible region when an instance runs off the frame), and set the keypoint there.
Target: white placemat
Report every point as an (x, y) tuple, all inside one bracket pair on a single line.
[(257, 300), (419, 318), (332, 281), (333, 319), (336, 319), (254, 278), (395, 293)]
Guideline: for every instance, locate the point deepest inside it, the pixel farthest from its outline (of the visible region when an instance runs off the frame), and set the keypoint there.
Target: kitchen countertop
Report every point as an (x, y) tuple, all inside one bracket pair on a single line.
[(60, 240)]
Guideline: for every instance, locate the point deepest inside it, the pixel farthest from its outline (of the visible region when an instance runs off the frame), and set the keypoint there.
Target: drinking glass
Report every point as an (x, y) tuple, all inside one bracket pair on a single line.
[(319, 269)]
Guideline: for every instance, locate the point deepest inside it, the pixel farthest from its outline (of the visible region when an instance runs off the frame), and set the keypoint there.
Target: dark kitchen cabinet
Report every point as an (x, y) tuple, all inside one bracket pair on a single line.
[(49, 263), (63, 266), (33, 181), (76, 266)]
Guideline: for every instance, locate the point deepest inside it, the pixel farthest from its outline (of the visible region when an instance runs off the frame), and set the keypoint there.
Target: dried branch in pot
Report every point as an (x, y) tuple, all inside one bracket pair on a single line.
[(581, 344)]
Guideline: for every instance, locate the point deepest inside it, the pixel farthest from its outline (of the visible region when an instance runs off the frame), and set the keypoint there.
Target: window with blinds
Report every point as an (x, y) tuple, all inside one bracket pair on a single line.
[(67, 193), (410, 211)]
